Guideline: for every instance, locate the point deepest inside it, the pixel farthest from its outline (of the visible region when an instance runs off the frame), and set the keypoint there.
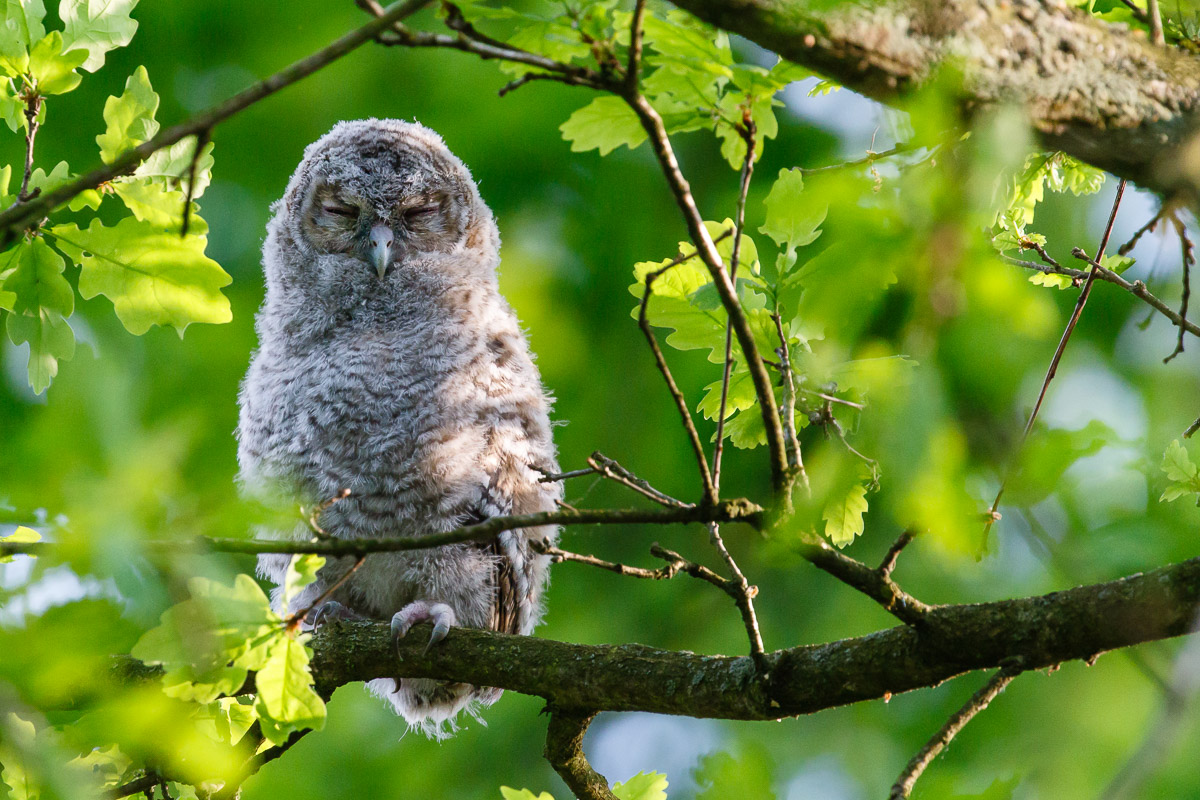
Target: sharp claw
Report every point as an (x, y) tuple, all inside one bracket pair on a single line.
[(440, 629)]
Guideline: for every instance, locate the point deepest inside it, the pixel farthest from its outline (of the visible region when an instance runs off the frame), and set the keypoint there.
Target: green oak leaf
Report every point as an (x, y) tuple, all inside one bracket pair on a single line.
[(153, 277), (35, 276), (301, 572), (173, 165), (286, 700), (97, 26), (21, 28), (793, 218), (643, 786), (42, 181), (509, 793), (1181, 471), (12, 108), (606, 123), (844, 516), (151, 201), (50, 340), (129, 118), (53, 70)]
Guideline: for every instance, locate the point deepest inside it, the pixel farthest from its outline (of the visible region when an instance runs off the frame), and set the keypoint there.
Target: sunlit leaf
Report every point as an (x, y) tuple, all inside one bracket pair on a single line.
[(286, 700), (844, 516), (605, 123), (642, 786), (153, 277), (97, 26), (129, 118), (301, 572)]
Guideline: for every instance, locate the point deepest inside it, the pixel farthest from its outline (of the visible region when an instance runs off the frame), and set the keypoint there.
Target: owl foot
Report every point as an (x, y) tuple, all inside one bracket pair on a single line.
[(332, 611), (440, 614)]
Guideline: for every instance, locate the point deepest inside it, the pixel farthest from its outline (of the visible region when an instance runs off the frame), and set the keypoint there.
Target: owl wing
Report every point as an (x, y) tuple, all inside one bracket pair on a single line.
[(508, 557)]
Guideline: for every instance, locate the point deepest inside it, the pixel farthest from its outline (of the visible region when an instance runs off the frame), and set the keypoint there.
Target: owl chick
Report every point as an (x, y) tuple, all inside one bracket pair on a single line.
[(389, 365)]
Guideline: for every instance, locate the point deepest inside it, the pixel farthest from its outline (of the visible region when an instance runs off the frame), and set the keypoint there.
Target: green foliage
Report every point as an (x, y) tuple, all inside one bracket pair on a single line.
[(509, 793), (722, 775), (21, 535), (209, 644), (152, 274), (1181, 471), (844, 516), (643, 786)]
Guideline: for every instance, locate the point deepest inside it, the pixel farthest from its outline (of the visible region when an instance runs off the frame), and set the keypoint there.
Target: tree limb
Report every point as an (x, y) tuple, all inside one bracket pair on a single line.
[(1041, 631), (1100, 92)]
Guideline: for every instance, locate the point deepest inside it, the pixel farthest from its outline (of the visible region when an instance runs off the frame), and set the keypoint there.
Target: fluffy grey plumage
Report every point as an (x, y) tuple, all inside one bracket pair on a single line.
[(389, 365)]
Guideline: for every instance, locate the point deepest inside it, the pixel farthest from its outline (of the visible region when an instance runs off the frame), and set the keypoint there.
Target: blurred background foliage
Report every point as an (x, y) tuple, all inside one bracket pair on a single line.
[(134, 440)]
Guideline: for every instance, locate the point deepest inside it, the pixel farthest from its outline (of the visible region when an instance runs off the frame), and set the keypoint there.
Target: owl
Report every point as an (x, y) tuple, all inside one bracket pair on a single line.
[(390, 366)]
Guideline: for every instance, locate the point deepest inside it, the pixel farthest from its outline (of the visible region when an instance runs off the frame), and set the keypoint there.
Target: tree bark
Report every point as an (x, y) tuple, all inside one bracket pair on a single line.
[(1033, 632), (1097, 91)]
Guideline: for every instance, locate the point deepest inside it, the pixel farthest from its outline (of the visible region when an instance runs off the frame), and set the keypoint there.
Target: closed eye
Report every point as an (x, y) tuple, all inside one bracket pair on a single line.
[(341, 211), (423, 211)]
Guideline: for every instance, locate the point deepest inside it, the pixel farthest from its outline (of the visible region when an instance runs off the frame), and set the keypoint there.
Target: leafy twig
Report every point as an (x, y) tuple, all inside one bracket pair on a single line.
[(993, 514), (33, 108), (22, 215), (1189, 258)]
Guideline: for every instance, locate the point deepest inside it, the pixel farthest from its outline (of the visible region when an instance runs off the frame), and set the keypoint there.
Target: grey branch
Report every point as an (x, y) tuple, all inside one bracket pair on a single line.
[(1100, 92), (1077, 624)]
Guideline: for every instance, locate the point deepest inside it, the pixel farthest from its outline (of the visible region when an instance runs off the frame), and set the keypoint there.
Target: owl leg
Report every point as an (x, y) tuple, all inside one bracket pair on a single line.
[(440, 614)]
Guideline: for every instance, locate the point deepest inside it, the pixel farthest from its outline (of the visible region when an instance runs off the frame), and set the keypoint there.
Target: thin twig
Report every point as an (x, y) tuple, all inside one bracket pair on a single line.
[(202, 139), (795, 460), (870, 158), (740, 510), (1195, 426), (610, 469), (633, 72), (978, 702), (893, 554), (1142, 231), (876, 584), (747, 132), (743, 594), (660, 142), (1138, 13), (1135, 288), (22, 215), (294, 621), (564, 751), (552, 477), (528, 77), (993, 514), (689, 426), (558, 555), (33, 108), (1189, 258)]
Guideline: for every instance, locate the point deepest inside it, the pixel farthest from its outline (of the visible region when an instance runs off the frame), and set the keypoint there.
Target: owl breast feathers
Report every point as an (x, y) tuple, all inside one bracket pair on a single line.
[(389, 365)]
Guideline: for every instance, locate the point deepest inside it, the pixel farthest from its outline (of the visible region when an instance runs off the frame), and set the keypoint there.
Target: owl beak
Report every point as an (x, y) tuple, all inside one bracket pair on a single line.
[(381, 248)]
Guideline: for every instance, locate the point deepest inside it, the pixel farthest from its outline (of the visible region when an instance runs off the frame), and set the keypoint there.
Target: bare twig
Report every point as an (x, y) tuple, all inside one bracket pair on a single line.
[(795, 460), (22, 215), (978, 702), (1189, 258), (552, 477), (870, 158), (529, 77), (564, 751), (33, 108), (1142, 231), (202, 139), (876, 584), (724, 511), (993, 513), (1195, 426), (893, 554), (558, 555), (610, 469), (747, 132), (743, 594), (689, 426), (1138, 13)]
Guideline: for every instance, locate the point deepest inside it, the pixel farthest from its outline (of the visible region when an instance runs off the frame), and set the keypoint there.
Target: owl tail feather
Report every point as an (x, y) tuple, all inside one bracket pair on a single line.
[(434, 707)]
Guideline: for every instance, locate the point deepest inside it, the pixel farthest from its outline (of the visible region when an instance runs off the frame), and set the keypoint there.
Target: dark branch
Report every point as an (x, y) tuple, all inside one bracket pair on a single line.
[(564, 751)]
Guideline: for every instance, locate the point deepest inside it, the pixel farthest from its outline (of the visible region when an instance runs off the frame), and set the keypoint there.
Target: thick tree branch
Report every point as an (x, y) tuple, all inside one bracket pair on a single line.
[(1039, 631), (564, 751), (1099, 92)]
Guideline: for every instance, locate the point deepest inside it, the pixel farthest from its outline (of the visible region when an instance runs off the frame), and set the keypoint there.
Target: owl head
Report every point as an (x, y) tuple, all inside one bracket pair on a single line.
[(373, 204)]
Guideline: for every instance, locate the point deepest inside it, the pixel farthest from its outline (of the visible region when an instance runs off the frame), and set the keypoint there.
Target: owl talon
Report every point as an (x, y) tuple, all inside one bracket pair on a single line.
[(440, 614), (332, 611)]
